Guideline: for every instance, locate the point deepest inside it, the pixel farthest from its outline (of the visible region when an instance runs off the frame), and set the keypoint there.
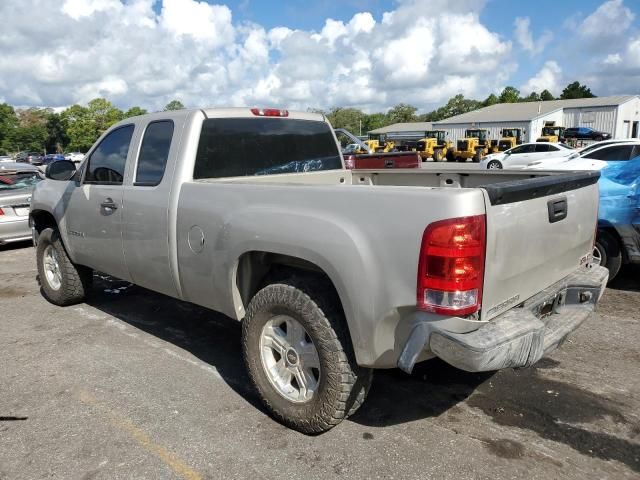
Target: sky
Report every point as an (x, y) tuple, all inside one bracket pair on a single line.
[(367, 54)]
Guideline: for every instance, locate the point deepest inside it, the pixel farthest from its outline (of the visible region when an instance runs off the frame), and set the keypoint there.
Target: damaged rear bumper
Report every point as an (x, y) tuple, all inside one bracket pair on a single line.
[(518, 337)]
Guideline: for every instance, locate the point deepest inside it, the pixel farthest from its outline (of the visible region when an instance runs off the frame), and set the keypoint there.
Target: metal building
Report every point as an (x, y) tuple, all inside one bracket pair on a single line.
[(404, 131), (617, 115)]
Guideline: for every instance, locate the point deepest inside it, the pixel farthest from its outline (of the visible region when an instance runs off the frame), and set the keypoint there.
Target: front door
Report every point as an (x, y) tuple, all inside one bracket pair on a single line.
[(94, 212)]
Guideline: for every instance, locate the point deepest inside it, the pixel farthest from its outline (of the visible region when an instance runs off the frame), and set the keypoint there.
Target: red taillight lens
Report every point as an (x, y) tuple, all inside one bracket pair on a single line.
[(451, 266), (270, 112), (1, 212)]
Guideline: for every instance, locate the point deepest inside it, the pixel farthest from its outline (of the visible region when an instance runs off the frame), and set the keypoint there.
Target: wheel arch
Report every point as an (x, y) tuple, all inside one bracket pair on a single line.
[(39, 220), (609, 228), (253, 268)]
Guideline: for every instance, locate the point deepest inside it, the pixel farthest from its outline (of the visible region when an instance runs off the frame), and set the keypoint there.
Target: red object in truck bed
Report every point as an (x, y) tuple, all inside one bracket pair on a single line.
[(382, 160)]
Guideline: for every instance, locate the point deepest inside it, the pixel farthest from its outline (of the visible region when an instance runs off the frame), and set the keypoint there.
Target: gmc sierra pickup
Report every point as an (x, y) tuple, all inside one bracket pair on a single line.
[(333, 272)]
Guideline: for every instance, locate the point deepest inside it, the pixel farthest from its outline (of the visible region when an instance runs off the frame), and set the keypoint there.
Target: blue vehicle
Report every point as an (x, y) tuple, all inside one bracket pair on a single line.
[(618, 239)]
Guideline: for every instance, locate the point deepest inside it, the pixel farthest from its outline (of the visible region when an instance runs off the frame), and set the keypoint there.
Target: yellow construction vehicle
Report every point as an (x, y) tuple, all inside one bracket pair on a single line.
[(510, 137), (552, 133), (434, 145), (378, 143), (475, 145)]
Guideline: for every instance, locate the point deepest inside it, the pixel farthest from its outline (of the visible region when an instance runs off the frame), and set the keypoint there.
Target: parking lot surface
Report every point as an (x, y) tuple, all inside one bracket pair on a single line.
[(134, 384)]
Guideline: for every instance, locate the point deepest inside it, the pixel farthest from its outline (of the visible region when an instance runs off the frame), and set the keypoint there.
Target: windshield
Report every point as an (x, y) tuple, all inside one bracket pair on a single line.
[(14, 181)]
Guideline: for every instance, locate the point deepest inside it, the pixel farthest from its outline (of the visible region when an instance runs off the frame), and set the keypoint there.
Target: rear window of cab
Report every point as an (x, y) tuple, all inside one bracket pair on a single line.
[(237, 147)]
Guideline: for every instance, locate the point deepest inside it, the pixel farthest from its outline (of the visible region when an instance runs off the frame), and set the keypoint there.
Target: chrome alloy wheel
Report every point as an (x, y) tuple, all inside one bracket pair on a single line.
[(290, 359), (596, 256), (52, 268)]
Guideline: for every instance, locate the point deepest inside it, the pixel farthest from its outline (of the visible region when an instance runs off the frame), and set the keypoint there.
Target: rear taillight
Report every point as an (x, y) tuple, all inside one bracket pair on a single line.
[(451, 266), (1, 212), (270, 112)]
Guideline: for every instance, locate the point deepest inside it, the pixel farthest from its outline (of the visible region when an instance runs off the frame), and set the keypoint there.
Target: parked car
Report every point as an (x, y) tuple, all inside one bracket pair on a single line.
[(52, 157), (16, 184), (595, 158), (74, 156), (6, 158), (332, 272), (616, 152), (32, 158), (618, 238), (526, 154), (604, 143), (585, 133)]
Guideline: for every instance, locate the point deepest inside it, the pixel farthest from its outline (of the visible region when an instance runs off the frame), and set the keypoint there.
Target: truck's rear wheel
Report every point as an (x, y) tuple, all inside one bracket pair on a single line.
[(299, 358), (607, 253), (62, 282), (438, 155)]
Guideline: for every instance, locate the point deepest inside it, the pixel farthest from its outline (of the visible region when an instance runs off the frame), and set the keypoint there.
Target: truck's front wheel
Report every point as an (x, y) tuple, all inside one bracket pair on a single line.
[(62, 282), (298, 355)]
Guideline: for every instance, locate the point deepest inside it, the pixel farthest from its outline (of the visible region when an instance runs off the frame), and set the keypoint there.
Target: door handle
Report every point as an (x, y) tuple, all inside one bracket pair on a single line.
[(109, 203)]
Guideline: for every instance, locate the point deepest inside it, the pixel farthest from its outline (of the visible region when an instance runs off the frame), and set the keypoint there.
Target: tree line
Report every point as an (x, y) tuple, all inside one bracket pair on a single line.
[(357, 121), (76, 128)]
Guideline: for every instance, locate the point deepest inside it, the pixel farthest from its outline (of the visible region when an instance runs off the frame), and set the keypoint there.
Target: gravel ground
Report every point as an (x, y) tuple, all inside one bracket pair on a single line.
[(133, 384)]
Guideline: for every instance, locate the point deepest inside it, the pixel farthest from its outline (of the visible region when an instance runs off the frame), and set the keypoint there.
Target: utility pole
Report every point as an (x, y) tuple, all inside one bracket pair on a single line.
[(360, 126)]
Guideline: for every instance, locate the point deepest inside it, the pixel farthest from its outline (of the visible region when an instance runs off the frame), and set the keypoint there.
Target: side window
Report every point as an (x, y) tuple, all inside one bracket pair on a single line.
[(106, 164), (543, 147), (612, 154), (517, 150), (154, 153)]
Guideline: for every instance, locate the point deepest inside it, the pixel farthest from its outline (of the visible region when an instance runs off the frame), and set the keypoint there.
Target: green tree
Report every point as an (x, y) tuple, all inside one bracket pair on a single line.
[(456, 105), (174, 105), (575, 90), (348, 118), (374, 121), (80, 127), (134, 112), (402, 113), (490, 100), (31, 133), (104, 114), (8, 125), (509, 95), (545, 95), (57, 138), (532, 97)]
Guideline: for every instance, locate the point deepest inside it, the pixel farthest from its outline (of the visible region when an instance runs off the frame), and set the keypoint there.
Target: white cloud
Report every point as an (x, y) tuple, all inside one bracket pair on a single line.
[(525, 39), (422, 52), (613, 59), (610, 20), (548, 78)]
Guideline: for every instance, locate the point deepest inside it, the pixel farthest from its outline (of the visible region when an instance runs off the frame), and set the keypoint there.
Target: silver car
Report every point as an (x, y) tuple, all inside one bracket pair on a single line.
[(16, 184)]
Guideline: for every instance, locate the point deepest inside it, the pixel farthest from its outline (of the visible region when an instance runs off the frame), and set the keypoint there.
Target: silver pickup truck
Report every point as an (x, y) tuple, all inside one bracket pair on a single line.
[(332, 272)]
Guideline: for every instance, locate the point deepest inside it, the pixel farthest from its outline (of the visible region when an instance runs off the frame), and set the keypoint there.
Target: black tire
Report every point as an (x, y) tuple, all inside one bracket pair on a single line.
[(75, 280), (494, 165), (610, 253), (342, 385), (438, 155), (599, 138), (478, 156), (451, 155)]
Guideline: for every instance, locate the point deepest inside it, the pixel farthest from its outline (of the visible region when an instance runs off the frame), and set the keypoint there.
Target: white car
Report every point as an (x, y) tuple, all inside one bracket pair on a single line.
[(525, 154), (573, 164), (76, 157)]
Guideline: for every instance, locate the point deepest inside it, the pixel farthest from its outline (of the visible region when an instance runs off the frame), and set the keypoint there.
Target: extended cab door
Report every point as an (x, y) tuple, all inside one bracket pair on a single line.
[(94, 212), (147, 194)]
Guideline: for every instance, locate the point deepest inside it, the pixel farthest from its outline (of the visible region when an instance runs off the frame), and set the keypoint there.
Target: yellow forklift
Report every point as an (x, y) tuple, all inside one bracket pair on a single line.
[(434, 145), (510, 137), (475, 145), (552, 133)]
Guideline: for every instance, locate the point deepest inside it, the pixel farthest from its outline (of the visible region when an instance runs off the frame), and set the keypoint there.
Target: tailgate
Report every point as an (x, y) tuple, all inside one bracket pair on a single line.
[(539, 230)]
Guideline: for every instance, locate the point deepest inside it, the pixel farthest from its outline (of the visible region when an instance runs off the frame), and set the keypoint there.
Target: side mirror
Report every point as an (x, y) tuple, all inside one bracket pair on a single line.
[(60, 170)]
